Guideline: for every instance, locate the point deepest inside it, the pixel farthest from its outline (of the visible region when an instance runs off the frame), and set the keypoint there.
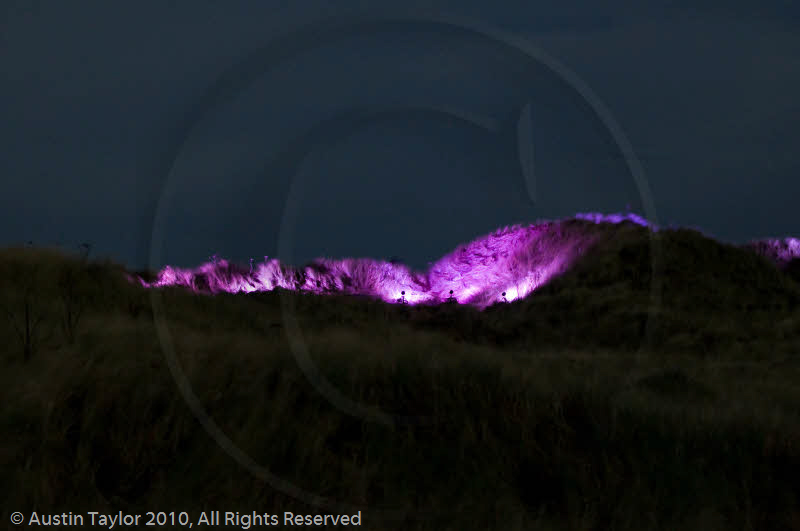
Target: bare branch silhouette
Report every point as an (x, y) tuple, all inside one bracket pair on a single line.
[(71, 301), (28, 320)]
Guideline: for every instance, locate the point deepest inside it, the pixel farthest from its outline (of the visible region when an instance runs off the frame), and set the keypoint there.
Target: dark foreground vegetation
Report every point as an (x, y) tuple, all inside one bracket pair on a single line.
[(593, 404)]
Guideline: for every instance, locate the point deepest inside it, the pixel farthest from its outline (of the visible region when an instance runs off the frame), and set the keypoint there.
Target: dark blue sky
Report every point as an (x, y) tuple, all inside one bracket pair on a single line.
[(97, 99)]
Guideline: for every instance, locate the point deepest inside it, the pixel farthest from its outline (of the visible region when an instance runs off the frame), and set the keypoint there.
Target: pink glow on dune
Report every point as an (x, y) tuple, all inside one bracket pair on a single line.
[(613, 218), (781, 251), (514, 260)]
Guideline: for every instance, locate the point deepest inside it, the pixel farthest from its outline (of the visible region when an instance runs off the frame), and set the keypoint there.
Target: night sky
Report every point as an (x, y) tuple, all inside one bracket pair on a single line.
[(386, 139)]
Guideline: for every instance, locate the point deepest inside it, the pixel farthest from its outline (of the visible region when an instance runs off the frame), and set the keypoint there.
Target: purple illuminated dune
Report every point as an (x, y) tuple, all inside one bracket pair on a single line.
[(780, 251), (514, 260)]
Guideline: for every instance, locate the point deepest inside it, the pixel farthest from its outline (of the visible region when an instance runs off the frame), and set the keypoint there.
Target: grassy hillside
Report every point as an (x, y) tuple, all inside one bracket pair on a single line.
[(592, 404)]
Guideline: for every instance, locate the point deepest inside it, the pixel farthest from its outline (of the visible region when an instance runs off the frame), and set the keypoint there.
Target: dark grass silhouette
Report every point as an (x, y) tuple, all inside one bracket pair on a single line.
[(552, 412)]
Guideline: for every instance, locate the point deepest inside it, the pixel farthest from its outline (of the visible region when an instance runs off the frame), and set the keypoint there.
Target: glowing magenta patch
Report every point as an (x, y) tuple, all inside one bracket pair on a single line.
[(507, 264), (780, 251)]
